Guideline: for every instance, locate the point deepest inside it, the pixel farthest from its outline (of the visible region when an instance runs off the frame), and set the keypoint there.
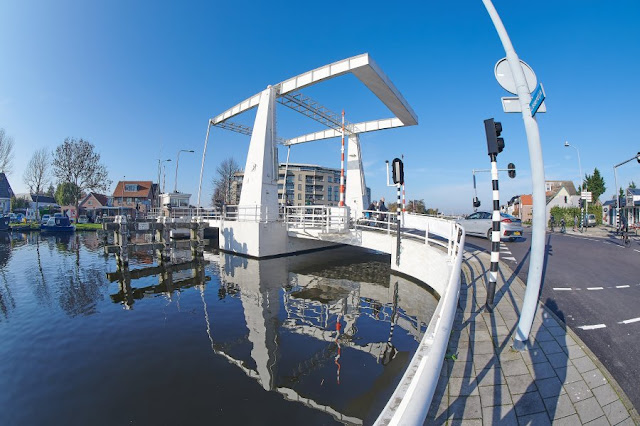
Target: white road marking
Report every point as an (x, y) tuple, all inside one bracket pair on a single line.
[(592, 327), (594, 288), (629, 321), (510, 258), (636, 250), (562, 288), (622, 286)]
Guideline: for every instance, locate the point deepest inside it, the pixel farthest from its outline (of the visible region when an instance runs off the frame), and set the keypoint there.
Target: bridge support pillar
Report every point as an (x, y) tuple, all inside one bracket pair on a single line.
[(259, 195), (356, 191)]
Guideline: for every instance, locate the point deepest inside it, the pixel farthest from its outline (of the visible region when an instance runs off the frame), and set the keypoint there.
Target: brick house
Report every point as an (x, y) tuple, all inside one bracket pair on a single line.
[(135, 196), (92, 204)]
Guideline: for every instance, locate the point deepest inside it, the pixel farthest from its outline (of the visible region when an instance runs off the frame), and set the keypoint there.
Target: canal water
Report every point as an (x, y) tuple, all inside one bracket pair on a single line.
[(320, 338)]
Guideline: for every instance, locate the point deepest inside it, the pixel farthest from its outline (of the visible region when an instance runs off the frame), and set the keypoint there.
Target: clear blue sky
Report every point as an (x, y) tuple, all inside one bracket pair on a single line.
[(140, 80)]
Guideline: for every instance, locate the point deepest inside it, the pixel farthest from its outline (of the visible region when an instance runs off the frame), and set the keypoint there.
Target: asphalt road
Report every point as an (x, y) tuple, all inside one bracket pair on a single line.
[(593, 284)]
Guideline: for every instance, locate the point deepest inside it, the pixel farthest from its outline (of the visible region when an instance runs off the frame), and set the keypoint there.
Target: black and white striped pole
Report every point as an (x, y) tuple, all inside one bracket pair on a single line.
[(495, 145), (398, 179), (495, 235)]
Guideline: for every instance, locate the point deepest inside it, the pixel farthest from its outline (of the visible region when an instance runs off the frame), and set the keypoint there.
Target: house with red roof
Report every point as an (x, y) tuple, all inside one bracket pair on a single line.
[(135, 196)]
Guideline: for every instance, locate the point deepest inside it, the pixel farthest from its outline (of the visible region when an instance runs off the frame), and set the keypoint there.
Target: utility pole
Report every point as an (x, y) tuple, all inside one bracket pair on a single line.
[(536, 262)]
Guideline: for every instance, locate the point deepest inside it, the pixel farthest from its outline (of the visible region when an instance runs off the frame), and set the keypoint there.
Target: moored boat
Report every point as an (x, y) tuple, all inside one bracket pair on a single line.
[(4, 223), (58, 224)]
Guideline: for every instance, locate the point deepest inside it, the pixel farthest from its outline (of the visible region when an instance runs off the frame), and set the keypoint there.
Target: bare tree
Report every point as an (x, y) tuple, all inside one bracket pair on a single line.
[(6, 152), (222, 183), (36, 176), (75, 161)]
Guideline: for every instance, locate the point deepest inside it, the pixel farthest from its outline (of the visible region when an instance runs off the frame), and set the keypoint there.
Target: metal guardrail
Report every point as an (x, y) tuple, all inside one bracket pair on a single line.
[(325, 218)]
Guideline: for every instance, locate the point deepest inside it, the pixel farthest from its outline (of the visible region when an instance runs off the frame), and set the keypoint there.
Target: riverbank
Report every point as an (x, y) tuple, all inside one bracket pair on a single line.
[(17, 227)]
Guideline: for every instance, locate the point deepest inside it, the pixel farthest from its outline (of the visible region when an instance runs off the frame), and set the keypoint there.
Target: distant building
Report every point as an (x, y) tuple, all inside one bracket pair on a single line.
[(5, 194), (523, 207), (561, 193), (135, 196), (44, 201), (306, 184), (93, 204)]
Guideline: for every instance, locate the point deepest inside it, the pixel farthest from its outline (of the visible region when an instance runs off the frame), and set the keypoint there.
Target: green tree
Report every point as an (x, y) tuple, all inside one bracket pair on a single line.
[(19, 203), (416, 206), (595, 184), (75, 161), (51, 191), (632, 185), (66, 193)]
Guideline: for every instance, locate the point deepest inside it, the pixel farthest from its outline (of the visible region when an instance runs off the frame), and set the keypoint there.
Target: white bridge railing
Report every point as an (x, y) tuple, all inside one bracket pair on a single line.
[(325, 218)]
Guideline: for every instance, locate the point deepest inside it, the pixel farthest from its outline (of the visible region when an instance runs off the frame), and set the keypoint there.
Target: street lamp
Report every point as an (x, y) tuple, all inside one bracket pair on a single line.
[(160, 162), (175, 189), (122, 193), (582, 187)]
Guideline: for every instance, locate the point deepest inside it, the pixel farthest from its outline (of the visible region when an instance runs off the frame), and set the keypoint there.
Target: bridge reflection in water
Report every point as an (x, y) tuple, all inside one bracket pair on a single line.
[(332, 330)]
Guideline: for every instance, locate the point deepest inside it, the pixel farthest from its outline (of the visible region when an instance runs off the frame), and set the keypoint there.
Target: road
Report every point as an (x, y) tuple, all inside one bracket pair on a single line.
[(593, 284)]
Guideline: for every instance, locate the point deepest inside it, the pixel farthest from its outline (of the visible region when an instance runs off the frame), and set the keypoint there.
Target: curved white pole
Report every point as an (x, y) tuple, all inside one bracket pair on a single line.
[(537, 177)]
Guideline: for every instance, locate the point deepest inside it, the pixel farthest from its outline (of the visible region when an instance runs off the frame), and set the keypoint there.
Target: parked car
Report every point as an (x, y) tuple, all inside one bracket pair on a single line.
[(13, 218), (590, 220), (45, 218), (481, 224), (83, 219)]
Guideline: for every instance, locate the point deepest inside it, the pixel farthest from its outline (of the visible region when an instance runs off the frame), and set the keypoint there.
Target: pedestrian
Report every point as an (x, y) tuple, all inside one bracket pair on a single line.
[(372, 206), (382, 208), (575, 222)]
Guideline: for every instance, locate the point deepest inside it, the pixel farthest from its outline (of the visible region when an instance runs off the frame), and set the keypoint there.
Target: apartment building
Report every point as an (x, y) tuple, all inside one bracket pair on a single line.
[(306, 184)]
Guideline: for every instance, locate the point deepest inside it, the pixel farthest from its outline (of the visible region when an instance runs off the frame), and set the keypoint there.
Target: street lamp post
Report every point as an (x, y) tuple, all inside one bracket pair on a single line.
[(582, 209), (122, 193), (175, 188), (160, 162)]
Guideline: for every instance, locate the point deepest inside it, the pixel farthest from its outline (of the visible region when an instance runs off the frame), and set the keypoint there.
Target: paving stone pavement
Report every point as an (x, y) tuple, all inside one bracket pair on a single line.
[(557, 380)]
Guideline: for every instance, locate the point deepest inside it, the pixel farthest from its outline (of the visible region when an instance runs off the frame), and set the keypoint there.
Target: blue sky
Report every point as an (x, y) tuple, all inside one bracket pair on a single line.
[(140, 80)]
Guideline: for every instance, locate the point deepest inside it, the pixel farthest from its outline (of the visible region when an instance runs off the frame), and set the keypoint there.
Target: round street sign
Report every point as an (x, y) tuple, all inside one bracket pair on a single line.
[(505, 78)]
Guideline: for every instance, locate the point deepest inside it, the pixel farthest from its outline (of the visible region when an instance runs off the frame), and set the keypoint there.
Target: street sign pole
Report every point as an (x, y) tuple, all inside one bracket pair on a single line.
[(538, 186)]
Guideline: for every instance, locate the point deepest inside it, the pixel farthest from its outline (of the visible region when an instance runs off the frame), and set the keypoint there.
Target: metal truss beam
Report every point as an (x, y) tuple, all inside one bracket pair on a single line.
[(314, 110)]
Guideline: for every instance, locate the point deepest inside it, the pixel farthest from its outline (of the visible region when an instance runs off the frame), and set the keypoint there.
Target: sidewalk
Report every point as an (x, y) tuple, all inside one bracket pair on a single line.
[(600, 231), (484, 382)]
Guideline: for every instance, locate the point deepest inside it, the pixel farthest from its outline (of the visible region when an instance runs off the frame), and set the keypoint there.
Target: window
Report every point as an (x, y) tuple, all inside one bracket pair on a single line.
[(565, 199), (299, 197), (299, 177), (129, 200), (329, 179), (89, 202), (299, 187), (280, 186), (130, 187)]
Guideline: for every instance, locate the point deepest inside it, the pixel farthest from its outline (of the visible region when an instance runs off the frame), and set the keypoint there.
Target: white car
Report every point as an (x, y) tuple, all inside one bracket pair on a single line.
[(83, 219), (481, 224), (44, 219)]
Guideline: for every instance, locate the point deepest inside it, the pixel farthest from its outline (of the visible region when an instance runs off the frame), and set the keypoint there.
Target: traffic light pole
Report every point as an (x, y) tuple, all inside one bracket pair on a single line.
[(615, 175), (495, 235), (538, 185)]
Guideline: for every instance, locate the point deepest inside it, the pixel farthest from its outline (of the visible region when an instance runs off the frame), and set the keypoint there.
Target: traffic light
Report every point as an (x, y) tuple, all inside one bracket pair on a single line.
[(512, 170), (580, 203), (476, 202), (398, 171), (495, 144)]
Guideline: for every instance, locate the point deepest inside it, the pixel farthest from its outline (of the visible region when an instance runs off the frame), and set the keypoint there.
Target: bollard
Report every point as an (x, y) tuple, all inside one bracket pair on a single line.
[(495, 236)]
